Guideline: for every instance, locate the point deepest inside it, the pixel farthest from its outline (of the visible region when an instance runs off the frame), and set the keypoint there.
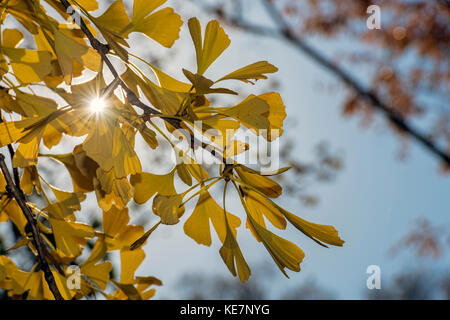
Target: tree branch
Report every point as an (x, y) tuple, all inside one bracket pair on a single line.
[(37, 240)]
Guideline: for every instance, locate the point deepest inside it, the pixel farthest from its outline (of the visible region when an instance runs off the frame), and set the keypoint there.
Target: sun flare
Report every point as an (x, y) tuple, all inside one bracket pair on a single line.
[(98, 105)]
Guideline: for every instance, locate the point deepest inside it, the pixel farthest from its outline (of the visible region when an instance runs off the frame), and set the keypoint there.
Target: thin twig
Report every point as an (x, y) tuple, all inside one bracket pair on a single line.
[(37, 240)]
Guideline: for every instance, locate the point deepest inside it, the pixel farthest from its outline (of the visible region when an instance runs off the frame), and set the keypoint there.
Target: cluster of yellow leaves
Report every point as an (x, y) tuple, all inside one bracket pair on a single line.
[(106, 163)]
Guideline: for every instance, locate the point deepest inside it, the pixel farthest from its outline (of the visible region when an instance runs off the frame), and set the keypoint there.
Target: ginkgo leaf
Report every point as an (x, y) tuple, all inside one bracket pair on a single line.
[(130, 261), (285, 253), (82, 182), (259, 206), (97, 272), (251, 113), (33, 105), (203, 85), (120, 235), (169, 82), (168, 208), (15, 130), (141, 241), (88, 5), (128, 290), (11, 38), (264, 184), (197, 226), (126, 160), (163, 26), (317, 232), (111, 190), (27, 153), (28, 65), (165, 100), (99, 143), (149, 137), (147, 184), (233, 258), (213, 45), (16, 215), (69, 236), (67, 203), (276, 116), (142, 8), (254, 71), (68, 49), (184, 174), (114, 19)]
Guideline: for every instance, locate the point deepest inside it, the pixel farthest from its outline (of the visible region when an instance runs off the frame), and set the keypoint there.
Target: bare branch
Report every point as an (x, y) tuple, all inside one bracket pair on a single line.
[(37, 240)]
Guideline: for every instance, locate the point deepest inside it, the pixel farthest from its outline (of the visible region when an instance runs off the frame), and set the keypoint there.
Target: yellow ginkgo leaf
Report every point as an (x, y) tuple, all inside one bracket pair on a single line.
[(99, 143), (141, 241), (149, 137), (114, 19), (81, 180), (97, 272), (169, 82), (111, 190), (27, 153), (184, 174), (69, 235), (66, 203), (168, 208), (130, 261), (197, 226), (33, 105), (28, 65), (165, 100), (11, 38), (148, 184), (317, 232), (126, 160), (254, 71), (276, 116), (68, 49), (259, 206), (88, 5), (264, 184), (203, 85), (163, 26), (214, 43), (285, 253), (252, 113), (16, 215), (14, 131), (119, 235), (233, 258)]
